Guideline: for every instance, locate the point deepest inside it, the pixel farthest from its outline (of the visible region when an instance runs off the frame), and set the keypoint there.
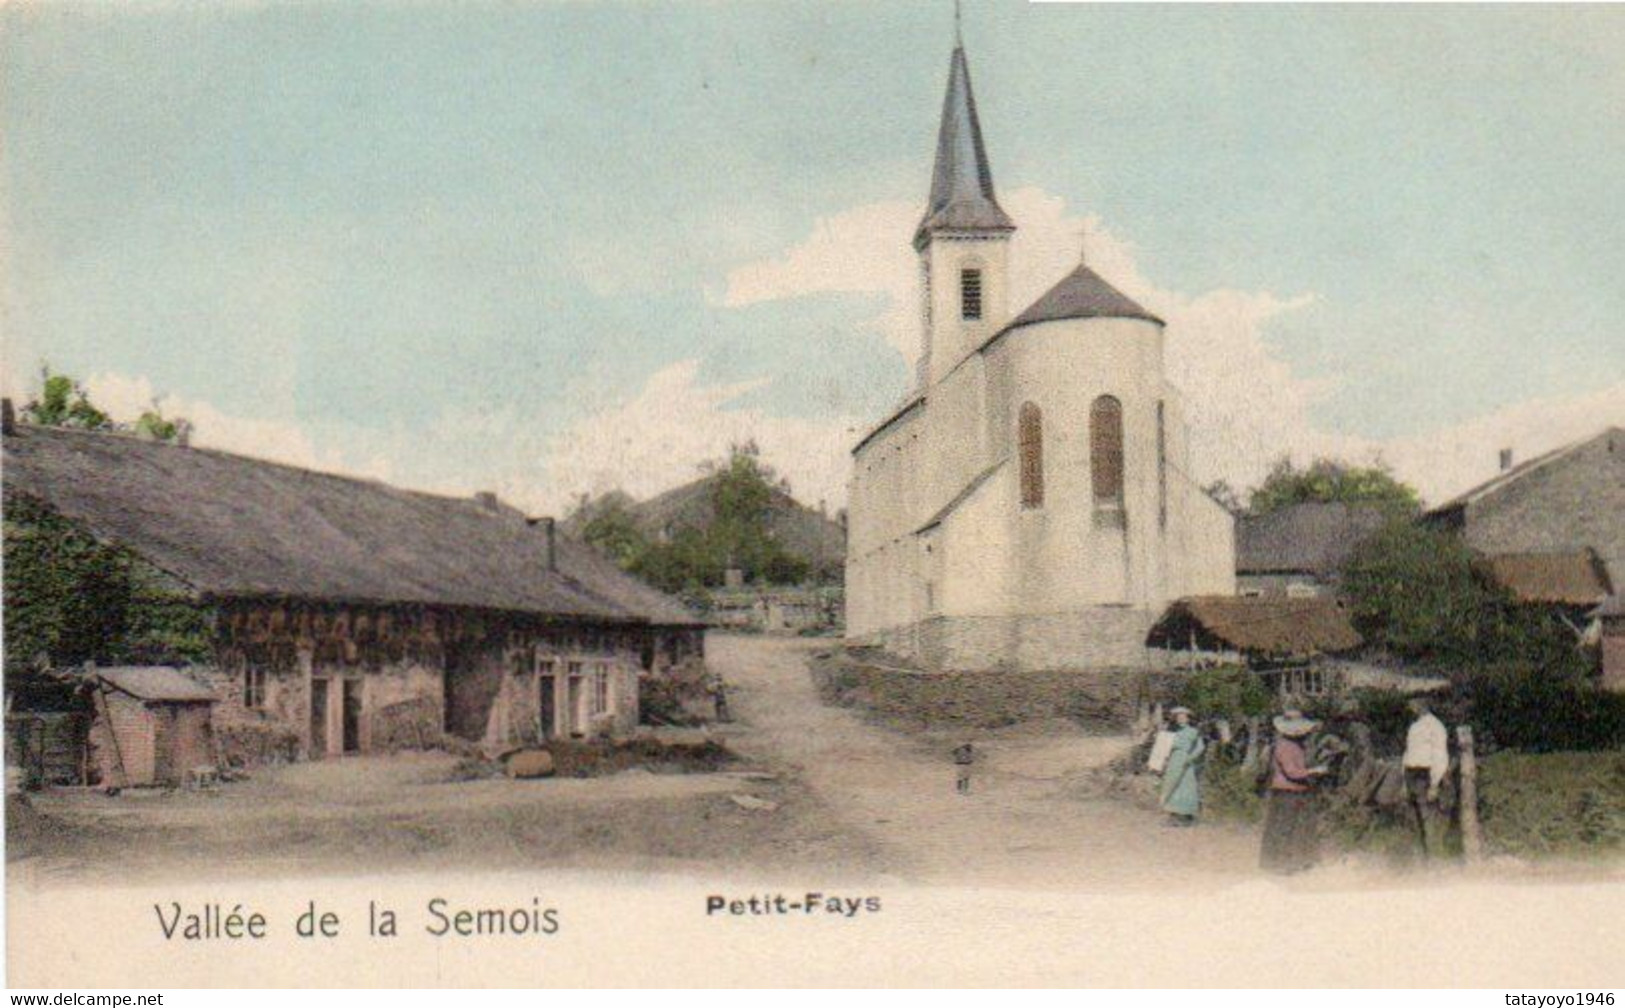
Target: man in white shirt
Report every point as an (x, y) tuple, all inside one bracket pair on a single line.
[(1427, 761)]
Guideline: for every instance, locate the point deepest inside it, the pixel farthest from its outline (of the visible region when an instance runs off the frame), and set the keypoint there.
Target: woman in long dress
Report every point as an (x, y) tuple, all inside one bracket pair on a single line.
[(1181, 792), (1291, 818)]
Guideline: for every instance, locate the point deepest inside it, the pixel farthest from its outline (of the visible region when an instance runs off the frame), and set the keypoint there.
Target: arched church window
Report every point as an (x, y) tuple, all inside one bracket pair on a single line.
[(970, 294), (1106, 450), (1030, 441)]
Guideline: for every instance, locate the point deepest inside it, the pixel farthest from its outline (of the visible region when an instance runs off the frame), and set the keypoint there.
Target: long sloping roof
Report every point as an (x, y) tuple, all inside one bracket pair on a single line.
[(230, 526), (1519, 471), (962, 196), (1269, 627), (1314, 538), (1571, 577)]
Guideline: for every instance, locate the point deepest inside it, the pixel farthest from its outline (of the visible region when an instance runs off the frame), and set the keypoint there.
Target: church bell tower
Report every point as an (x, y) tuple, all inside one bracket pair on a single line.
[(964, 238)]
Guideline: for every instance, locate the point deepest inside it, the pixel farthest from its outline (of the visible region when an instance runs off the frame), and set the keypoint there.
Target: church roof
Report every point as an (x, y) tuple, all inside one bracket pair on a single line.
[(1082, 294), (961, 183)]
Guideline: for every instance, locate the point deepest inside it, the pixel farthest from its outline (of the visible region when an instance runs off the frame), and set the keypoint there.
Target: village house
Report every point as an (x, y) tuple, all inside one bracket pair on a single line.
[(1299, 550), (345, 615), (1566, 501), (1027, 505)]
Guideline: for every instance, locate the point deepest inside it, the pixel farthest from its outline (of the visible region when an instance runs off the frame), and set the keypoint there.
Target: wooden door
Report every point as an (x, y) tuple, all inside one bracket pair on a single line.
[(573, 707), (318, 717), (547, 706), (351, 715)]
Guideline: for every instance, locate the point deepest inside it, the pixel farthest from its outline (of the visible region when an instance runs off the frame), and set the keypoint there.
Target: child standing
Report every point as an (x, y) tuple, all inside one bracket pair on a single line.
[(964, 759)]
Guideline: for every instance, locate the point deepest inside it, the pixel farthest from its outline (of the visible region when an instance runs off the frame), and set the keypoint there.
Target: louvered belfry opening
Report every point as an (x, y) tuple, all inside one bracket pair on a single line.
[(1106, 451), (970, 294), (1030, 442)]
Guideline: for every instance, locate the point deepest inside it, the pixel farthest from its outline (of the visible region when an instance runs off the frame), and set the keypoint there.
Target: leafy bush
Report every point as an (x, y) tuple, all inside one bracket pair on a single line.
[(1524, 707), (1387, 712), (1227, 691)]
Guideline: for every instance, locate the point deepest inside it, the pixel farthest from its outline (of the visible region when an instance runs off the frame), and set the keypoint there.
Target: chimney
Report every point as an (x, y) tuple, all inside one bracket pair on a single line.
[(1506, 459), (8, 417), (486, 499), (550, 528)]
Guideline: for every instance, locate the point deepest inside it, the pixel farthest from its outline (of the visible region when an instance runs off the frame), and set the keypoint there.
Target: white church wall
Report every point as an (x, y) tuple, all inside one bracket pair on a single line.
[(1069, 555)]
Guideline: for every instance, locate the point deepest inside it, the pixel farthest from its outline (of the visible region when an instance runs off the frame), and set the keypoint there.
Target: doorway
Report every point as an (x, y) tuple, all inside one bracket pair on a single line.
[(351, 730), (547, 706), (318, 717), (573, 701)]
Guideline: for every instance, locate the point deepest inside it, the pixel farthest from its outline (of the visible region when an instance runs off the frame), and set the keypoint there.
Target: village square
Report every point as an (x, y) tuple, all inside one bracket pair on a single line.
[(1029, 649)]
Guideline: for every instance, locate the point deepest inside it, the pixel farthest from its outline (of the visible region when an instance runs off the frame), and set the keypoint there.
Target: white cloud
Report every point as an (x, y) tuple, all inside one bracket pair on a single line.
[(125, 397), (1245, 405), (659, 437)]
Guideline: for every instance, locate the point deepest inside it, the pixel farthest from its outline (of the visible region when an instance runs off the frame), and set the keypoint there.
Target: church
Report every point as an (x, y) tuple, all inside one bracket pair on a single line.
[(1029, 505)]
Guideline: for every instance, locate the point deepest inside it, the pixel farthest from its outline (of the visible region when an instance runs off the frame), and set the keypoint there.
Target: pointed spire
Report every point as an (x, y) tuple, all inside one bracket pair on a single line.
[(962, 183)]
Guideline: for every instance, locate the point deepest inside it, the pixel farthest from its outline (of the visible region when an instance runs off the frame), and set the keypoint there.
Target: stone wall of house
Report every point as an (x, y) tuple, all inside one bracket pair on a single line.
[(423, 674), (1568, 504), (1613, 653)]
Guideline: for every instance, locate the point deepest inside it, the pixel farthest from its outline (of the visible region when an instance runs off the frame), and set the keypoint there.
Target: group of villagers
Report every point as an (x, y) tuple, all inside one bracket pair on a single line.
[(1290, 827)]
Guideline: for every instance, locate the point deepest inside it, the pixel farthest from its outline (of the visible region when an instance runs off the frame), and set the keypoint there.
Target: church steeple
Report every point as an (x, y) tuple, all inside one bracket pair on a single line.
[(962, 183)]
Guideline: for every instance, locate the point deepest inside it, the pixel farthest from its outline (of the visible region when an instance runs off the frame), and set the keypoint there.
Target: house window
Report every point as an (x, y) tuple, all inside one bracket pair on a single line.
[(970, 294), (1106, 451), (1030, 442), (600, 689), (254, 688)]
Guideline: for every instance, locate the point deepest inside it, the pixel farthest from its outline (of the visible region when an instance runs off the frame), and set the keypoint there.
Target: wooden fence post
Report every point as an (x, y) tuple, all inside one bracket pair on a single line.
[(1472, 838)]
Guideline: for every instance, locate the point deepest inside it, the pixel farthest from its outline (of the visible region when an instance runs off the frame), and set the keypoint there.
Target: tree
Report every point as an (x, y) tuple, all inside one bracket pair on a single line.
[(614, 531), (63, 402), (1423, 595), (1328, 480)]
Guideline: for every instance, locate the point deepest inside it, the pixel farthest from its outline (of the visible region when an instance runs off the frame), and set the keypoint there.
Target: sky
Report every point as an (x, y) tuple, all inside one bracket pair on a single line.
[(558, 248)]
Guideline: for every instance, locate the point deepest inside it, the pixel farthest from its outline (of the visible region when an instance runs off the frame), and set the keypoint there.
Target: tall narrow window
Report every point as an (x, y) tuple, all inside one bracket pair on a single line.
[(970, 294), (1106, 451), (1030, 441), (1162, 468)]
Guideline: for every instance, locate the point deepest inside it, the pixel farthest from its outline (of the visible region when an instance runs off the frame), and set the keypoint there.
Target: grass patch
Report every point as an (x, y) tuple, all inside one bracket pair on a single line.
[(1545, 804)]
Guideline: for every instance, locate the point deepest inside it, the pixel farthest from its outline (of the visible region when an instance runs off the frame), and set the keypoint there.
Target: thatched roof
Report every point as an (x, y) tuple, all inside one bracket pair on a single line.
[(1572, 577), (1274, 627), (1311, 538), (227, 526)]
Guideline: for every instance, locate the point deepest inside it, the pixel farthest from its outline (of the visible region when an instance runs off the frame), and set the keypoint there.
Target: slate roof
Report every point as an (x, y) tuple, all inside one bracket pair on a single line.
[(1083, 293), (155, 682), (1265, 626), (962, 196), (1571, 577), (1310, 538), (231, 526), (1517, 472), (961, 497)]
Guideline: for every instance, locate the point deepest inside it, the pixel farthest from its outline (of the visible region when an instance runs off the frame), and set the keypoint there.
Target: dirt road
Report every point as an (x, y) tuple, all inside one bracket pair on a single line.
[(1021, 826)]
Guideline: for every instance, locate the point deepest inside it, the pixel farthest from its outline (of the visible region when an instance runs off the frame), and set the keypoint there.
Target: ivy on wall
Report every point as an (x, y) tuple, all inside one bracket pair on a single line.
[(70, 598)]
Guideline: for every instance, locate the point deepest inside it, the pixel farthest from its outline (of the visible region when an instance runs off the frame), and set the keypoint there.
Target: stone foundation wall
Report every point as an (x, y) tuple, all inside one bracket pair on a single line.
[(1094, 638)]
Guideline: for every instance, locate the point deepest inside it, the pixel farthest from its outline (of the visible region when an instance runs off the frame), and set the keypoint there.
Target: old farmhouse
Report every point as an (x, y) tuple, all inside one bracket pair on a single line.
[(344, 615)]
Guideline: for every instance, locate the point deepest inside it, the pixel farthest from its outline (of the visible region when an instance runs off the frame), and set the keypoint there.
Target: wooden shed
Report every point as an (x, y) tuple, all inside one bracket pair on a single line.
[(152, 725)]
